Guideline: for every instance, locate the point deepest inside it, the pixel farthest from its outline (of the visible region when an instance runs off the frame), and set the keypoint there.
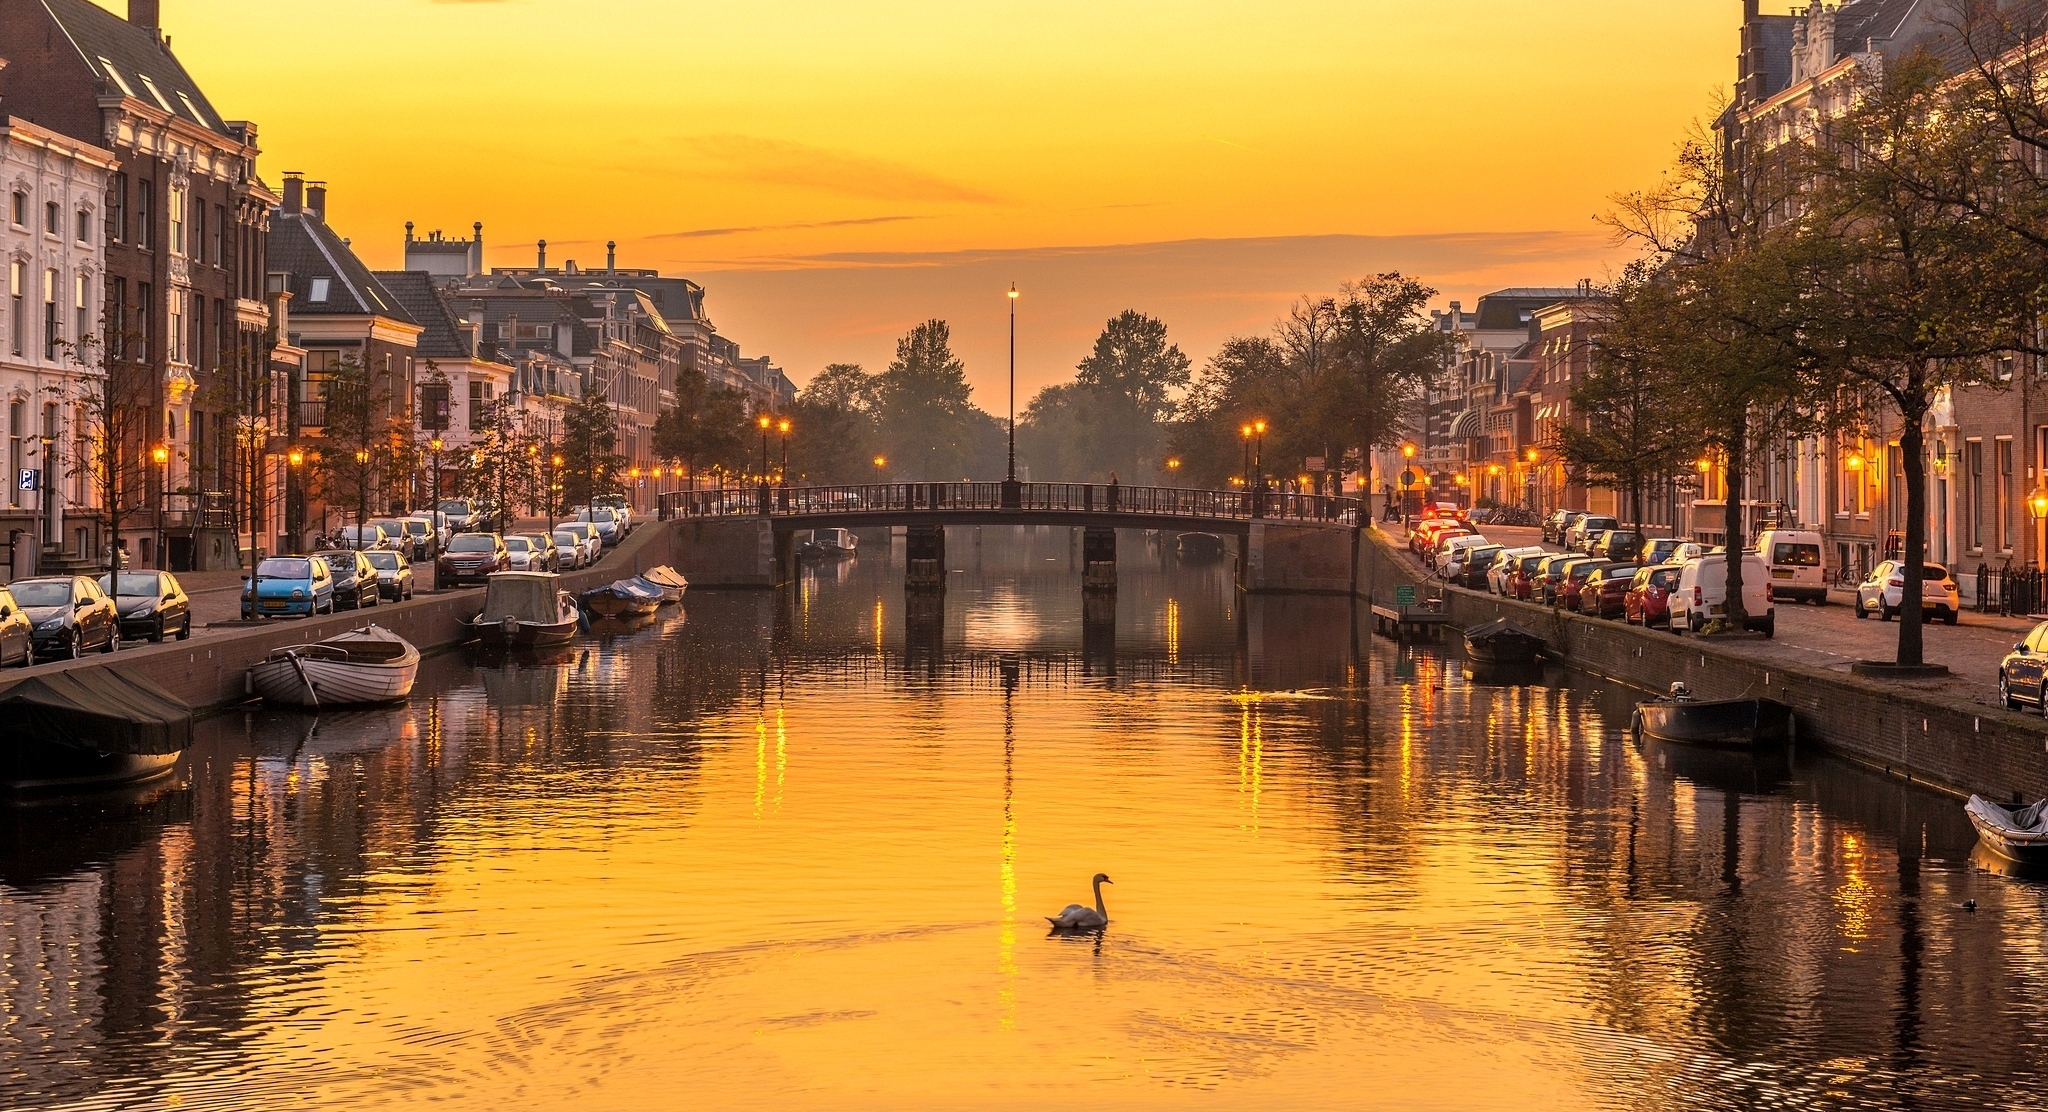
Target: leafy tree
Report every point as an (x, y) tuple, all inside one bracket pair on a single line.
[(834, 439), (706, 428), (1383, 354), (1243, 381), (590, 442), (1628, 424), (928, 425), (351, 439)]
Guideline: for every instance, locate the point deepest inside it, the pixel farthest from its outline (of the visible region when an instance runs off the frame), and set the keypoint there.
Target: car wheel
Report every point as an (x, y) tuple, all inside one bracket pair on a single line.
[(1861, 613), (76, 649), (1885, 613), (2005, 698), (157, 638), (185, 631), (113, 641), (1950, 618)]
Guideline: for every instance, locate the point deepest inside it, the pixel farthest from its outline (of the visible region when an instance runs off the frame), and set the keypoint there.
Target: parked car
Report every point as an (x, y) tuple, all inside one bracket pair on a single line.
[(286, 585), (401, 537), (368, 535), (1648, 601), (1883, 593), (17, 633), (1573, 584), (1621, 544), (2023, 674), (1604, 594), (1424, 534), (1793, 555), (1554, 572), (355, 577), (1659, 550), (569, 548), (1505, 566), (1702, 594), (461, 513), (1590, 543), (618, 504), (1688, 551), (526, 553), (1443, 511), (471, 558), (150, 604), (426, 540), (593, 545), (394, 574), (1575, 537), (68, 614), (1555, 526), (606, 521), (1467, 566), (1449, 542)]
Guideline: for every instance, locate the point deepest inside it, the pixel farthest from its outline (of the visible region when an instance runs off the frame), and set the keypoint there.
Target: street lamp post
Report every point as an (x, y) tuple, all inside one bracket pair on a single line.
[(782, 470), (554, 488), (294, 500), (1013, 491), (162, 456), (765, 422), (880, 462), (436, 444), (362, 490)]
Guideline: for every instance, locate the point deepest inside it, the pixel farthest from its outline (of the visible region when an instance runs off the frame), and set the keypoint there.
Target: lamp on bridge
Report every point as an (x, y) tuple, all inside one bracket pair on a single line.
[(766, 422), (1013, 491), (880, 462)]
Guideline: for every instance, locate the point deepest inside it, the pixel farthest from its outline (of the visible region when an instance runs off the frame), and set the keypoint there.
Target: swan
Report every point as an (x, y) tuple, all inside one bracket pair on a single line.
[(1078, 917)]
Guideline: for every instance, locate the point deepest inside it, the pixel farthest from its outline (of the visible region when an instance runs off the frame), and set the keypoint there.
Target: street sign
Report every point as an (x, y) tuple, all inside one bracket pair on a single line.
[(1404, 595), (31, 479), (1407, 478), (1314, 463)]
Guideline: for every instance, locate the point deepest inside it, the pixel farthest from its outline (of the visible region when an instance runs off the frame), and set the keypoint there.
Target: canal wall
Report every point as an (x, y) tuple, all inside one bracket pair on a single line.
[(1930, 737), (1284, 558), (207, 671)]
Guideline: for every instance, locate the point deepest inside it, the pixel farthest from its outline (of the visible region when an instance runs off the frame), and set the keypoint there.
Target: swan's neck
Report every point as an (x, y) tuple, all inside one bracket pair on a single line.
[(1099, 909)]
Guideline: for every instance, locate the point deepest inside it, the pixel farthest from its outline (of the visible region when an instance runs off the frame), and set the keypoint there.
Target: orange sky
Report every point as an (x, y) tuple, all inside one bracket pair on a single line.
[(836, 172)]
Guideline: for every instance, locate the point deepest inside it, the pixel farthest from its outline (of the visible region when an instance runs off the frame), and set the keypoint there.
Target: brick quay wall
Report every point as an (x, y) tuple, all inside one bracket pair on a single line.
[(1951, 744)]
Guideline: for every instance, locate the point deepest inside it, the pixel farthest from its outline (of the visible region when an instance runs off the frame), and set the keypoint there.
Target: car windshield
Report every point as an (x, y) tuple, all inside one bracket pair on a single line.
[(472, 542), (456, 507), (565, 537), (517, 544), (389, 526), (48, 592), (1796, 555), (285, 567), (133, 583), (1663, 578), (415, 525), (384, 560), (340, 563)]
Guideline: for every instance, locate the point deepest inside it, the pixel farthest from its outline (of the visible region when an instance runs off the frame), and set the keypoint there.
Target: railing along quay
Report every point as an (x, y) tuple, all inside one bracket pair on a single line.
[(910, 499)]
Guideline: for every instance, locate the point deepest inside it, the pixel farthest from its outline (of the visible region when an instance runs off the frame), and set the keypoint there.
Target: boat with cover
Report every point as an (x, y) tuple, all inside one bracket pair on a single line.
[(89, 728), (523, 609), (668, 581), (366, 665), (623, 598), (1502, 642), (831, 543), (2015, 833), (1679, 717)]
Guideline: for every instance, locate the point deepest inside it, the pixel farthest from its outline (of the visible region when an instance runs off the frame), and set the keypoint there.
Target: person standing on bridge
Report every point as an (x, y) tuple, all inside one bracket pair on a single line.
[(1112, 490)]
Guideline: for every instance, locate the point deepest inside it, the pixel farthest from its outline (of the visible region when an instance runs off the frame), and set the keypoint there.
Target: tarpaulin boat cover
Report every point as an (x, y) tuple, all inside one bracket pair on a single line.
[(521, 596), (1497, 628), (97, 709)]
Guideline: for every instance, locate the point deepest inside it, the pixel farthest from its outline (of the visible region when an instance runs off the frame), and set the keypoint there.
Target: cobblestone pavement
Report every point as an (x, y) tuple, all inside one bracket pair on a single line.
[(1832, 637)]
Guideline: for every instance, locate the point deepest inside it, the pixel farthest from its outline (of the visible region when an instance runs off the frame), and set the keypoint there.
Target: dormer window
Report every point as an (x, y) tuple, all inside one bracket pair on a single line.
[(151, 86), (319, 290), (108, 65)]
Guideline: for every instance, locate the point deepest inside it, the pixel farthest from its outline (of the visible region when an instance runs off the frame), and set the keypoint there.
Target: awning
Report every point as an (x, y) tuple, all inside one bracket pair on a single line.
[(1465, 425), (98, 709)]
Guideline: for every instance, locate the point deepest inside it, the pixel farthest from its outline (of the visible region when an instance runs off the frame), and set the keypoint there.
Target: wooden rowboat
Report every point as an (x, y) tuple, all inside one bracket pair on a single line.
[(622, 598), (1742, 722), (1502, 642), (2015, 833), (668, 581), (367, 665)]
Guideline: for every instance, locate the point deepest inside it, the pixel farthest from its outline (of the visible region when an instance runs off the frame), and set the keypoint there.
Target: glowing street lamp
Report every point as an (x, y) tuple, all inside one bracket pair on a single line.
[(161, 455), (880, 462)]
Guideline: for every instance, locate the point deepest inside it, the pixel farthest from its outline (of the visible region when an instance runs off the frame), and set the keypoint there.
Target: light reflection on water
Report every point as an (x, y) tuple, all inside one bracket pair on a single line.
[(793, 852)]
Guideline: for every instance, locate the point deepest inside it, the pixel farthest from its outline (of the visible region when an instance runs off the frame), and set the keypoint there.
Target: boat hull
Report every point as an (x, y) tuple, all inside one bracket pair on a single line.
[(327, 683), (1996, 832), (28, 766), (526, 635), (1730, 722)]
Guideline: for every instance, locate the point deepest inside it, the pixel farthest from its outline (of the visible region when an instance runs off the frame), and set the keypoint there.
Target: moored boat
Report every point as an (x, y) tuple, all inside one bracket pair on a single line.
[(622, 598), (1681, 718), (831, 543), (2015, 833), (87, 728), (1502, 642), (366, 665), (524, 609), (668, 581), (1199, 546)]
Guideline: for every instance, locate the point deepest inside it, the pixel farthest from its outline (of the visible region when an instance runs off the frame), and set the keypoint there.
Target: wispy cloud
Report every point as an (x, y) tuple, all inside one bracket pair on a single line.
[(781, 162), (705, 233)]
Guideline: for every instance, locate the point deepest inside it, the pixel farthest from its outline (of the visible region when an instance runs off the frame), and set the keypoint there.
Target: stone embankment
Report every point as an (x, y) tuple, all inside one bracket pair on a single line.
[(1930, 737), (207, 672)]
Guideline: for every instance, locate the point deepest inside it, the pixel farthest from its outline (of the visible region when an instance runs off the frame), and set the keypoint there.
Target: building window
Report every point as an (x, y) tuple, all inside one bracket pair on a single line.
[(17, 437), (220, 231), (145, 197), (2004, 452), (117, 318), (117, 209), (145, 323), (175, 201), (82, 325), (319, 290), (1973, 471), (52, 332), (17, 307), (476, 407), (85, 225), (174, 346), (51, 225), (18, 211)]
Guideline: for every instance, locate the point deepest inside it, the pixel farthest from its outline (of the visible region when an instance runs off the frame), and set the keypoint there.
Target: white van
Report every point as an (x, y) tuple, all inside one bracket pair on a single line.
[(1793, 557), (1702, 594)]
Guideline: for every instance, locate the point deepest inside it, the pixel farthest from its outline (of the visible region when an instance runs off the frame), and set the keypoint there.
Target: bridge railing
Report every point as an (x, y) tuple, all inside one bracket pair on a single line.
[(1086, 498)]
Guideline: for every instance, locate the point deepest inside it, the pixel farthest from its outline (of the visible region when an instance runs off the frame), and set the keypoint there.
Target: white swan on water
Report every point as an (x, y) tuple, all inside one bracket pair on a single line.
[(1078, 917)]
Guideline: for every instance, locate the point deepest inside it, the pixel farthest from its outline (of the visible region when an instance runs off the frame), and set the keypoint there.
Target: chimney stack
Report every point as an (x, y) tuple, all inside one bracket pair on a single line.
[(611, 256), (316, 200), (144, 13), (476, 250), (408, 232), (543, 256), (294, 191)]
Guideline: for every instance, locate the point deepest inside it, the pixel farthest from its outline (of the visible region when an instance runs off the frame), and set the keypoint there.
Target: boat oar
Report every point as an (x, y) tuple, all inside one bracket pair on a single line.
[(299, 666)]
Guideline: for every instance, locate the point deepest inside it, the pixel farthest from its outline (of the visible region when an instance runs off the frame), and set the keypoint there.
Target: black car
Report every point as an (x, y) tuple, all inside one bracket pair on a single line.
[(1468, 568), (355, 578), (151, 604), (70, 614)]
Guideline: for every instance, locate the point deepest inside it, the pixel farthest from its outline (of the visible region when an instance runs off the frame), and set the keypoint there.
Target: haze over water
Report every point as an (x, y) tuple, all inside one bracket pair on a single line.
[(794, 852)]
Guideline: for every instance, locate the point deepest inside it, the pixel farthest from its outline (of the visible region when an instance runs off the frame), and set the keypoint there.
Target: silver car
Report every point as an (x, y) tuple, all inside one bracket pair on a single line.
[(570, 547)]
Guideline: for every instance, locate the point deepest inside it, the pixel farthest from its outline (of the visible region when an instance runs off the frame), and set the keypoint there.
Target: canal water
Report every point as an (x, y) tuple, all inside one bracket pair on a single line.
[(795, 852)]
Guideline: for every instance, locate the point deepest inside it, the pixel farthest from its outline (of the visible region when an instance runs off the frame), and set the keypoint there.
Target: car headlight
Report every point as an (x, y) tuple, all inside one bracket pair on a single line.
[(298, 592), (144, 611), (51, 624)]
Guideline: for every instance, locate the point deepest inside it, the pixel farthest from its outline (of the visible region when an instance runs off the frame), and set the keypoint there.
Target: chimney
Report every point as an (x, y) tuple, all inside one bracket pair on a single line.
[(316, 200), (476, 328), (543, 256), (408, 231), (476, 250), (611, 256), (569, 267), (144, 13), (294, 191)]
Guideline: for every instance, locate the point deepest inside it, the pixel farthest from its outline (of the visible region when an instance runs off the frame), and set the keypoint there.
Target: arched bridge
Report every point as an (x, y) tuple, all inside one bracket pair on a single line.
[(744, 536)]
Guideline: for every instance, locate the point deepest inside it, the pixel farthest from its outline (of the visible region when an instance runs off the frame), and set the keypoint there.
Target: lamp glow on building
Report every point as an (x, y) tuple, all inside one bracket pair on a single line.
[(2038, 502)]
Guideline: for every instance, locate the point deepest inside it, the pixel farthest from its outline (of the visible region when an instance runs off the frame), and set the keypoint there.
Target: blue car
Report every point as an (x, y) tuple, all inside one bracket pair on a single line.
[(288, 585)]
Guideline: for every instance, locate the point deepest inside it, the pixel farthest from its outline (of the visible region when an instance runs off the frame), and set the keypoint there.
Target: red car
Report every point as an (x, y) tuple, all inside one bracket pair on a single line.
[(1649, 596), (1605, 593), (1521, 582), (1574, 581), (472, 557), (1424, 535)]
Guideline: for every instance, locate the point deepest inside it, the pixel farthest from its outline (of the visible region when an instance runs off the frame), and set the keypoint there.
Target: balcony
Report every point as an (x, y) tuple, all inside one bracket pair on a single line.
[(313, 415)]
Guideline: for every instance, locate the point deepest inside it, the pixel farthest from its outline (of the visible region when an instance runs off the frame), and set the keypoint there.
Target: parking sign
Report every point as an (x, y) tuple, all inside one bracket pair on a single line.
[(30, 479)]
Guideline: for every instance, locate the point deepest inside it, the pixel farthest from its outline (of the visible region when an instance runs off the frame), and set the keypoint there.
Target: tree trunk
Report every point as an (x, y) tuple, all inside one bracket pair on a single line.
[(1731, 521), (1913, 414)]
